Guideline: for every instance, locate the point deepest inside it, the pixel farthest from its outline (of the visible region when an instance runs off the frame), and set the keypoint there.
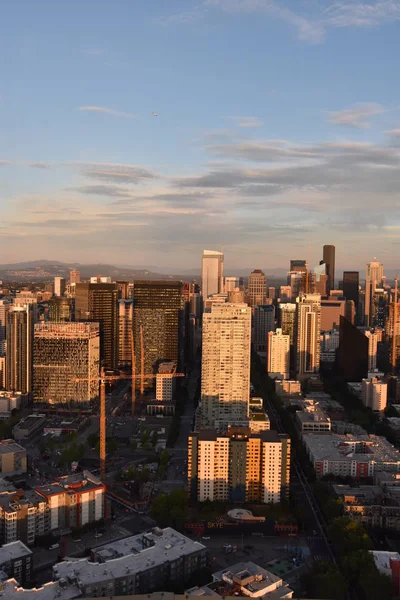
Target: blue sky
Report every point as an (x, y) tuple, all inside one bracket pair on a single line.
[(278, 127)]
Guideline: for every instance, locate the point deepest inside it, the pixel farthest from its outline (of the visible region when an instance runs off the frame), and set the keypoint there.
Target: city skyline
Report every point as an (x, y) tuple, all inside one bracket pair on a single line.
[(243, 154)]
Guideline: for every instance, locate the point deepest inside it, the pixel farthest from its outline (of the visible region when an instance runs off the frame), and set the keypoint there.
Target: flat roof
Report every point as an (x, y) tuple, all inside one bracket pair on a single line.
[(12, 551), (336, 447), (382, 559), (49, 591), (244, 570), (129, 556), (7, 446)]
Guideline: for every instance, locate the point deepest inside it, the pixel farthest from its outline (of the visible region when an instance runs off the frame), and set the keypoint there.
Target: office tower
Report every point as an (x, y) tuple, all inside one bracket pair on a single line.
[(63, 353), (100, 279), (98, 302), (165, 382), (353, 352), (328, 257), (287, 319), (307, 333), (59, 286), (373, 280), (350, 286), (373, 339), (236, 296), (257, 288), (285, 293), (19, 356), (298, 265), (321, 279), (225, 374), (158, 322), (74, 276), (278, 355), (231, 283), (212, 273), (350, 311), (239, 466), (123, 289), (389, 333), (272, 292), (331, 310), (4, 309), (374, 394), (60, 309), (125, 320), (263, 323)]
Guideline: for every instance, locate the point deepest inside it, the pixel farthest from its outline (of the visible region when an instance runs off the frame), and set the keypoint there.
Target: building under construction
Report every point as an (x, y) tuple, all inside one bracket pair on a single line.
[(62, 354)]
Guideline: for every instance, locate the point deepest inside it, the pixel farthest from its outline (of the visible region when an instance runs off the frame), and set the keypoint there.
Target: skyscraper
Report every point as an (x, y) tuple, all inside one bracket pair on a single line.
[(257, 288), (212, 273), (287, 319), (328, 258), (278, 355), (60, 309), (98, 302), (263, 323), (231, 283), (372, 349), (353, 352), (74, 276), (225, 374), (59, 286), (321, 279), (307, 333), (158, 321), (125, 320), (62, 353), (373, 280), (19, 357), (4, 309), (350, 286), (299, 266)]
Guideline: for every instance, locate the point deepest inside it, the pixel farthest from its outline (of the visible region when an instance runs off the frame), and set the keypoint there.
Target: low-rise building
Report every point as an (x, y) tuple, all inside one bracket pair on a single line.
[(371, 505), (312, 419), (350, 455), (12, 458), (29, 426), (250, 580), (287, 387), (136, 565), (374, 394), (16, 561), (10, 401)]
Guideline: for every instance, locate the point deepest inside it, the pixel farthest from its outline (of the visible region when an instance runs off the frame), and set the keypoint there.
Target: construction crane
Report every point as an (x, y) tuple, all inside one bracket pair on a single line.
[(394, 337)]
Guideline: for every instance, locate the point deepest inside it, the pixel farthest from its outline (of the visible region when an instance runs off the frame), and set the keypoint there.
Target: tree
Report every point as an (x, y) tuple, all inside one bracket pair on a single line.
[(112, 445), (348, 536), (92, 439), (133, 445), (325, 581)]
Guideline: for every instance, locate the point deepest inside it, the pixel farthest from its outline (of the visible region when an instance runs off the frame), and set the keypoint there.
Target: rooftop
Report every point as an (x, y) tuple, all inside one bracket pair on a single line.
[(7, 446), (49, 591), (251, 580), (335, 447), (71, 484), (12, 551), (382, 559), (134, 554)]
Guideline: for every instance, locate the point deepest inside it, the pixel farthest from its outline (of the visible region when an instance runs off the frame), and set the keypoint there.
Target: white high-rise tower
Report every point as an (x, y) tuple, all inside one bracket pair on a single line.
[(307, 333), (212, 273)]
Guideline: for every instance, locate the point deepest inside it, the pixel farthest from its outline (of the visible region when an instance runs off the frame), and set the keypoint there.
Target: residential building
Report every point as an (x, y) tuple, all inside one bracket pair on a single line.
[(98, 302), (329, 260), (331, 310), (12, 458), (19, 356), (16, 561), (225, 374), (287, 319), (74, 276), (157, 324), (165, 382), (66, 362), (312, 419), (10, 401), (61, 309), (212, 273), (125, 337), (373, 339), (257, 288), (278, 355), (5, 305), (358, 456), (287, 387), (139, 564), (374, 394), (263, 323), (59, 286), (307, 333), (239, 466), (352, 352)]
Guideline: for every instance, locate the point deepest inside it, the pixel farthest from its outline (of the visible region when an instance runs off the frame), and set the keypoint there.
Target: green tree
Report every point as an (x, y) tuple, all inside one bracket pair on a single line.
[(112, 445), (93, 439), (348, 536), (325, 581)]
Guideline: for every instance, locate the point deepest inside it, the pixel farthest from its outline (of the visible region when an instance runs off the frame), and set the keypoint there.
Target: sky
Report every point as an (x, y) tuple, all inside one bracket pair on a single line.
[(277, 130)]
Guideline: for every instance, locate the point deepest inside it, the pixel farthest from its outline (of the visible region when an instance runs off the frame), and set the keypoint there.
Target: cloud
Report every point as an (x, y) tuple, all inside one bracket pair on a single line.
[(94, 52), (107, 111), (4, 163), (39, 165), (362, 14), (394, 133), (246, 122), (114, 172), (357, 116)]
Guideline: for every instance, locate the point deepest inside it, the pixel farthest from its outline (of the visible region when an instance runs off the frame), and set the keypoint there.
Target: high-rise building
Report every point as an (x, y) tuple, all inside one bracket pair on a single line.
[(225, 374), (298, 265), (98, 302), (328, 258), (321, 279), (272, 292), (350, 286), (350, 311), (307, 333), (374, 393), (231, 283), (5, 305), (74, 276), (60, 309), (331, 310), (59, 286), (287, 319), (123, 290), (373, 339), (165, 382), (373, 280), (158, 322), (257, 288), (19, 356), (63, 353), (278, 355), (263, 323), (390, 331), (212, 273), (285, 293), (353, 352), (125, 320), (236, 296), (239, 466)]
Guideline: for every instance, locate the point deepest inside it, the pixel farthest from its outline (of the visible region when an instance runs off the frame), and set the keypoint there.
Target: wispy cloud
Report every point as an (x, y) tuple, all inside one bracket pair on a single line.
[(357, 116), (107, 111), (246, 121), (394, 133), (362, 14), (94, 51)]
